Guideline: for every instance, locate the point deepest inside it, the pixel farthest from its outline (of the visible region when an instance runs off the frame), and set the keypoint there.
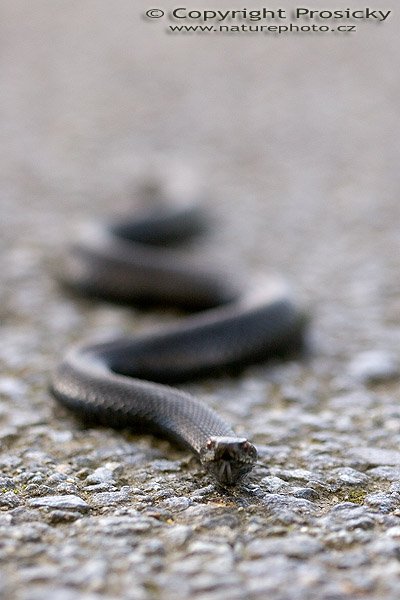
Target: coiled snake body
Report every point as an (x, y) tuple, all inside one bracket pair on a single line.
[(122, 383)]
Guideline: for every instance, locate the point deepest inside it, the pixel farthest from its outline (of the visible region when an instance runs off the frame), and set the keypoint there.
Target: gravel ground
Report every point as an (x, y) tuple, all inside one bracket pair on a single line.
[(294, 140)]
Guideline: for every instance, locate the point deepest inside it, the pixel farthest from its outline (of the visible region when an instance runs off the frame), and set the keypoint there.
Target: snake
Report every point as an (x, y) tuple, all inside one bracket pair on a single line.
[(129, 381)]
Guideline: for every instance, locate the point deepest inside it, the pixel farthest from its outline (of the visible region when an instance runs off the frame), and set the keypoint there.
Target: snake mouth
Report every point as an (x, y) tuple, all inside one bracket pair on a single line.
[(228, 459)]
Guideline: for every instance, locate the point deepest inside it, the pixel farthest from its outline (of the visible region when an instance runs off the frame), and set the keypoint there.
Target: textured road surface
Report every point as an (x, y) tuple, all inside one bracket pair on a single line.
[(295, 140)]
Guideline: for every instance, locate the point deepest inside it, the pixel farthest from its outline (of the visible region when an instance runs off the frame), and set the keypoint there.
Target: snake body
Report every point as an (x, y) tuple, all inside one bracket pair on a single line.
[(125, 382)]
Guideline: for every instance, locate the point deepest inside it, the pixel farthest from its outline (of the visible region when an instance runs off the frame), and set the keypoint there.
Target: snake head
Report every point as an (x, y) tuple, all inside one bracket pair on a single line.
[(228, 459)]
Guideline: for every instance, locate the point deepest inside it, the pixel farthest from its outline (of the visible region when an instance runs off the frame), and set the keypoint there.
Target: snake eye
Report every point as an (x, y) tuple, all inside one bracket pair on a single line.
[(248, 448), (210, 444)]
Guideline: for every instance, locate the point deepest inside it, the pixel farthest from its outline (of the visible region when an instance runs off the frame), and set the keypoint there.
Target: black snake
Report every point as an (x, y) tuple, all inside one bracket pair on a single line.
[(122, 383)]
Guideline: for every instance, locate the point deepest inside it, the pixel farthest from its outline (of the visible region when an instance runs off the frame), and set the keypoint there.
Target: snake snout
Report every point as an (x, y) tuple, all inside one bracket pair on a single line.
[(229, 459)]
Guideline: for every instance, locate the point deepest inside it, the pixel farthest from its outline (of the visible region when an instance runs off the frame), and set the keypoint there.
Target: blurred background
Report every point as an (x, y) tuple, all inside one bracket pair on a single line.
[(294, 136)]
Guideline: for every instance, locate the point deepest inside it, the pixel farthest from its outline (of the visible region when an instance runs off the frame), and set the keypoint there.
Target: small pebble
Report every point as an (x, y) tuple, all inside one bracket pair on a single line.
[(374, 366), (61, 502)]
